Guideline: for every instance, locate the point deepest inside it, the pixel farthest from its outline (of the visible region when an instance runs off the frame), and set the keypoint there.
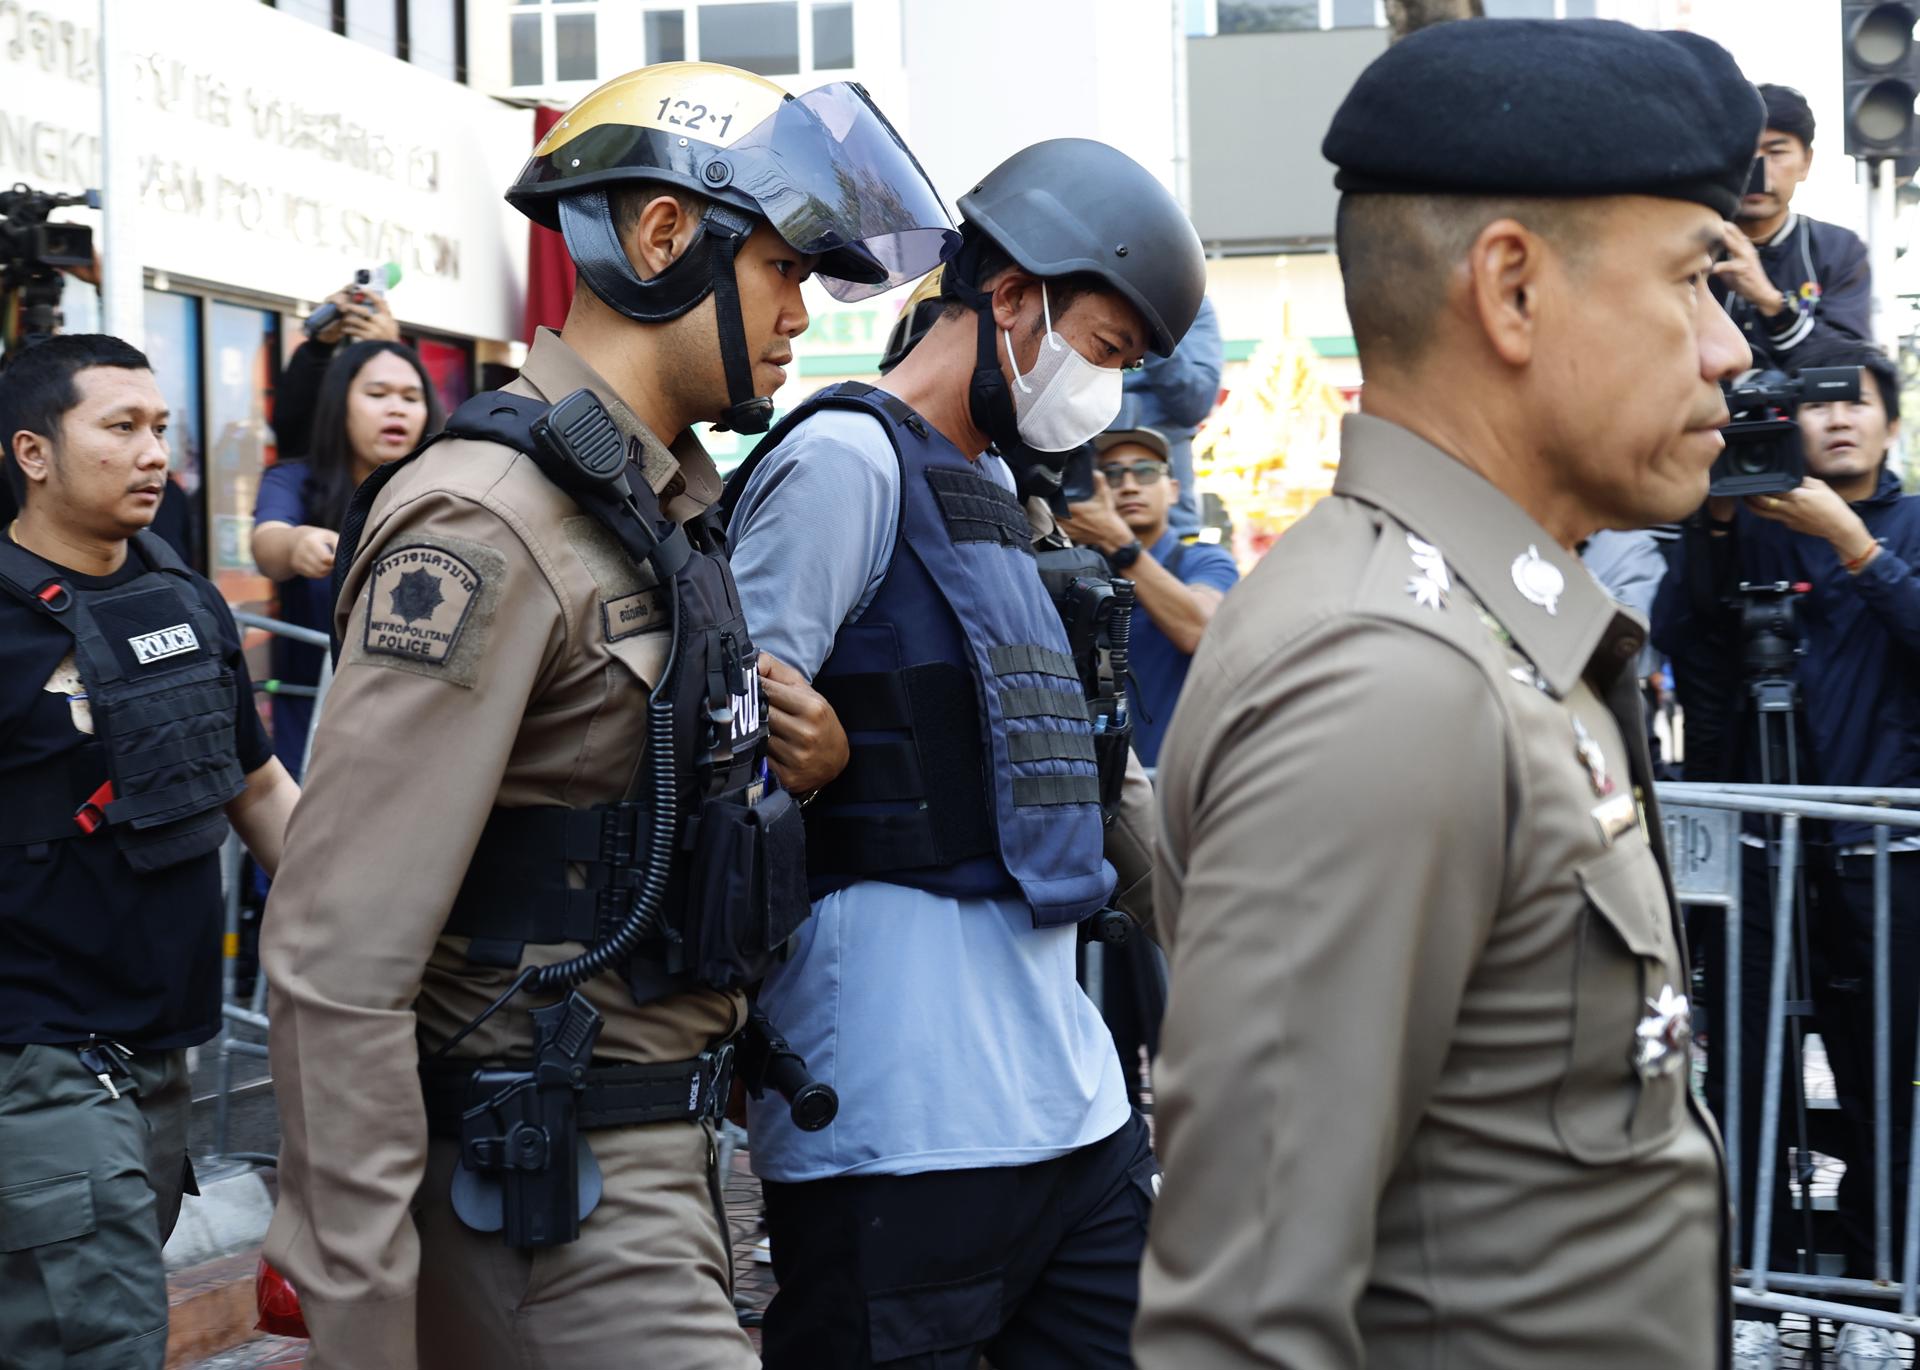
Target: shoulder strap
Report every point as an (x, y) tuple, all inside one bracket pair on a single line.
[(490, 416), (1174, 558), (854, 395), (24, 575)]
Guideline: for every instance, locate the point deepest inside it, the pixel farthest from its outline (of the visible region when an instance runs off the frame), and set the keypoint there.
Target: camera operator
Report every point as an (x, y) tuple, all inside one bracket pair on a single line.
[(363, 317), (1179, 584), (1790, 282), (1850, 535)]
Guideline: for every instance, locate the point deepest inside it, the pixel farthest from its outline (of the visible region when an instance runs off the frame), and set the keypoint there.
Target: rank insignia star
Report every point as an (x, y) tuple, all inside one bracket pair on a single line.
[(1661, 1040), (1429, 582)]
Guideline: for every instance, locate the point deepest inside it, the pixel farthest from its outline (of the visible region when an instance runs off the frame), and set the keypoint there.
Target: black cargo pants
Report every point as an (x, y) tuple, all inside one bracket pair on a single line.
[(90, 1186)]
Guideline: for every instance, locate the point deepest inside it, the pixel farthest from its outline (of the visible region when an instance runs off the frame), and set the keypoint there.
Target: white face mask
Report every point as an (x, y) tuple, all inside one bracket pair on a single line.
[(1065, 399)]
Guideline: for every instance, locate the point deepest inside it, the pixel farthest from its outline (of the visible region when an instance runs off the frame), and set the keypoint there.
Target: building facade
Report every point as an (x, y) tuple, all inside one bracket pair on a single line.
[(269, 157)]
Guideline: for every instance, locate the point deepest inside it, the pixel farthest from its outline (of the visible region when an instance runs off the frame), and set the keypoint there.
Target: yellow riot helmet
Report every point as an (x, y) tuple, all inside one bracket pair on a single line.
[(825, 169), (923, 306)]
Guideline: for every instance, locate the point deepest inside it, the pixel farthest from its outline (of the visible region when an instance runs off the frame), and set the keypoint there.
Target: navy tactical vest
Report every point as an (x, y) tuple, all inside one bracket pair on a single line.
[(972, 769), (161, 696)]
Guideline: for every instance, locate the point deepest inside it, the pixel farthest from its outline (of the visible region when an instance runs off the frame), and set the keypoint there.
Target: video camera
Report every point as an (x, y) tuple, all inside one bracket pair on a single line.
[(32, 253), (368, 280), (1763, 454)]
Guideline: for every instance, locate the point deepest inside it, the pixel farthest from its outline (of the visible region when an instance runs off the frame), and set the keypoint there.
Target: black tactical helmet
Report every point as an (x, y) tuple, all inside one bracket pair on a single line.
[(1072, 205)]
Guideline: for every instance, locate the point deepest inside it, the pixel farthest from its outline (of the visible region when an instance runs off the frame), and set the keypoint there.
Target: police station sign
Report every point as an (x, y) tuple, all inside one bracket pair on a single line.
[(255, 173)]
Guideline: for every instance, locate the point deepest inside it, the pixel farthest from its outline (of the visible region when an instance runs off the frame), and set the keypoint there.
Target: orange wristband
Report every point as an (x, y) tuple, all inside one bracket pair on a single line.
[(1859, 563)]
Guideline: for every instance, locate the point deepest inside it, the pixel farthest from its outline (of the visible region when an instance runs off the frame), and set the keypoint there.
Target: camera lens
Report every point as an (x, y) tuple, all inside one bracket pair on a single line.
[(1752, 462)]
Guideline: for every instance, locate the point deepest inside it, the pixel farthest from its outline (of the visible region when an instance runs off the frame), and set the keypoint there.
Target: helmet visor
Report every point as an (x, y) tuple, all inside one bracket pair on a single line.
[(836, 182)]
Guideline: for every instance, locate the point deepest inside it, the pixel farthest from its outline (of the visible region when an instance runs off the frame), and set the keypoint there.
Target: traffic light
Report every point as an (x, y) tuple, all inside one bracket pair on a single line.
[(1881, 63)]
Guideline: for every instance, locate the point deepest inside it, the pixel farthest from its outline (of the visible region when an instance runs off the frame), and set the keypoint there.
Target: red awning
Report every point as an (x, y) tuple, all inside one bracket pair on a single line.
[(549, 269)]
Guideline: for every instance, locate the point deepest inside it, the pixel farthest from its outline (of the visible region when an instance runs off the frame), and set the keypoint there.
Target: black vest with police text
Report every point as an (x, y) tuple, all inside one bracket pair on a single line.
[(161, 696), (546, 874)]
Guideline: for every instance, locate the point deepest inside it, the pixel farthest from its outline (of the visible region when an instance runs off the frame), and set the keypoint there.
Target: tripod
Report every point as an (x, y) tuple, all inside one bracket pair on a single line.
[(1770, 646)]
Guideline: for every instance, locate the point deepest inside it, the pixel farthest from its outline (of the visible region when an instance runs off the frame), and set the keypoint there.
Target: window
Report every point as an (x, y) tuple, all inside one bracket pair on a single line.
[(1521, 9), (375, 23), (573, 47), (554, 40), (173, 346), (312, 11), (1583, 9), (241, 371), (1268, 16), (1354, 14), (833, 37), (529, 67), (433, 37), (666, 36), (757, 37)]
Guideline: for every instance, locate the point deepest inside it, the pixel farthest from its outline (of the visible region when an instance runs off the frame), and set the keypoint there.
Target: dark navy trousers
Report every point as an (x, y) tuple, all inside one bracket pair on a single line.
[(1032, 1267)]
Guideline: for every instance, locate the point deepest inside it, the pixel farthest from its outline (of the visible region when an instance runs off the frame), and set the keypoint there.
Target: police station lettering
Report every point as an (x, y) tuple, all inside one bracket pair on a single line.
[(417, 603), (163, 643)]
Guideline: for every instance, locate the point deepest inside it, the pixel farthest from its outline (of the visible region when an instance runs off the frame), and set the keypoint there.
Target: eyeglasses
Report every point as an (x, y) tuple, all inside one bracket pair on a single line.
[(1143, 472)]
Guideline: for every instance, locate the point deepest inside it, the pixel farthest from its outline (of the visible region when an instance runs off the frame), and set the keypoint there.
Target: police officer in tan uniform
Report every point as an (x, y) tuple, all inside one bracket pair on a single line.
[(1424, 1094), (499, 643)]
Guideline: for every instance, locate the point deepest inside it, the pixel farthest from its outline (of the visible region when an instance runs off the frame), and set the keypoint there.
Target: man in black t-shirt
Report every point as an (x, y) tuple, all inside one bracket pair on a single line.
[(128, 741)]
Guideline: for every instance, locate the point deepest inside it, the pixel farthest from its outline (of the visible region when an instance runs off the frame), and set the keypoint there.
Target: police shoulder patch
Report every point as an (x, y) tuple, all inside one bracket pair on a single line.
[(419, 599)]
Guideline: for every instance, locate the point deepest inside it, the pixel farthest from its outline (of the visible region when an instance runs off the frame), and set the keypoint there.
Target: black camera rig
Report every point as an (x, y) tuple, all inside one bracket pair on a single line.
[(32, 253), (1763, 454)]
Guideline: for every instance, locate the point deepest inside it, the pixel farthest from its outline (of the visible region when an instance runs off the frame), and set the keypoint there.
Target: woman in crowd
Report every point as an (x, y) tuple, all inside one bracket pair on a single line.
[(375, 405)]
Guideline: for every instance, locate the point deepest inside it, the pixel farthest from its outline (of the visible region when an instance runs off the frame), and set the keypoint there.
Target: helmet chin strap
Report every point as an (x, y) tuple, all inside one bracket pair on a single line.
[(706, 267), (990, 399), (746, 411)]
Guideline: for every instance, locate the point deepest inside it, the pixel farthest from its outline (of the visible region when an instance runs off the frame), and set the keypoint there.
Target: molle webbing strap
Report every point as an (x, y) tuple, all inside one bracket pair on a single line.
[(977, 509), (1028, 659)]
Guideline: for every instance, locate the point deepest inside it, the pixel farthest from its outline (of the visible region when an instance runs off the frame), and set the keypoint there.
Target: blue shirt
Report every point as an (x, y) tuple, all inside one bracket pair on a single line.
[(305, 602), (1160, 668), (954, 1030)]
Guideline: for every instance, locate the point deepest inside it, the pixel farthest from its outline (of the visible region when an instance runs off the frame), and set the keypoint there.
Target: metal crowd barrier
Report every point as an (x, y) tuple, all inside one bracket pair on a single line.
[(1703, 831), (252, 1016)]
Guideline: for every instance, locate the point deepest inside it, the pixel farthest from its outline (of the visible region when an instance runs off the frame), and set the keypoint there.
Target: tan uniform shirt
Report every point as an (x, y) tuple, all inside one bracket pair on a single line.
[(497, 649), (1418, 929)]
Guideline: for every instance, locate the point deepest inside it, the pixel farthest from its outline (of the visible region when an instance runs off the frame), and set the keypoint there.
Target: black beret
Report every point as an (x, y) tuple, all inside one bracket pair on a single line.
[(1551, 107)]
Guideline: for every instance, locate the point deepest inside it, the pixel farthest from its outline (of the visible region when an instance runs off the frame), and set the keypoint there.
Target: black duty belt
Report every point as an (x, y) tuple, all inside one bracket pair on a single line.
[(614, 1096)]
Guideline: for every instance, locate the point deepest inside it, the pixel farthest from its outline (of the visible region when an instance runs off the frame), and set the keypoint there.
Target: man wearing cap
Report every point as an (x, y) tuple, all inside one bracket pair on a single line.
[(1793, 284), (1423, 1082), (1178, 584)]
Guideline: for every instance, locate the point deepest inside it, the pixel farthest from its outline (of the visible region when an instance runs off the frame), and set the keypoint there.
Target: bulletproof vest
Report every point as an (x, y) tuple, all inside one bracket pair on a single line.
[(737, 889), (161, 696), (972, 770)]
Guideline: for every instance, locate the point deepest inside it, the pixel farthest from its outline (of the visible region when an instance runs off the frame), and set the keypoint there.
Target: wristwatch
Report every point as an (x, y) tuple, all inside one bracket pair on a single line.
[(1122, 558)]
